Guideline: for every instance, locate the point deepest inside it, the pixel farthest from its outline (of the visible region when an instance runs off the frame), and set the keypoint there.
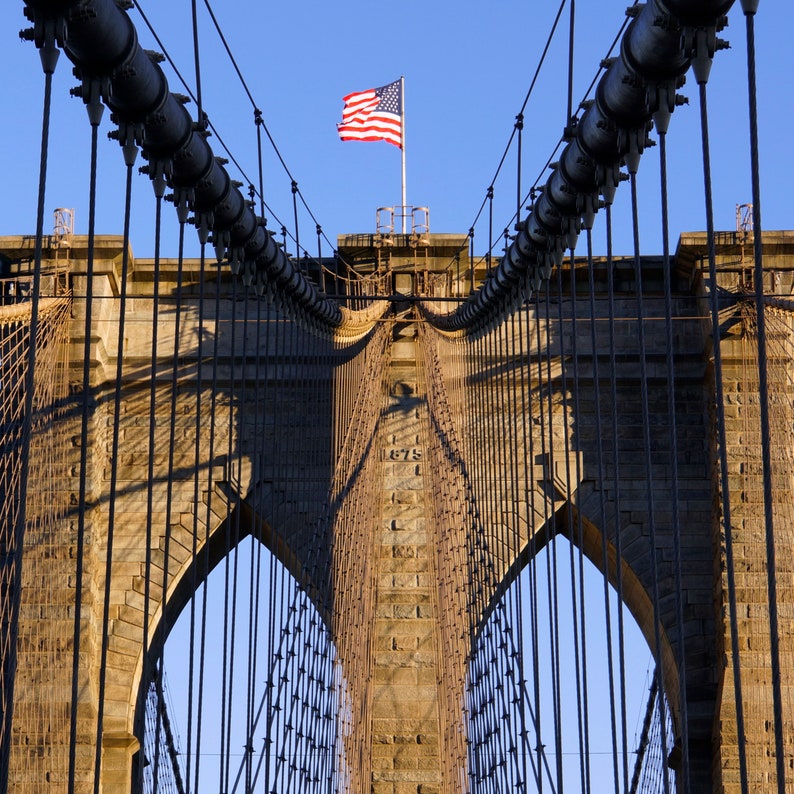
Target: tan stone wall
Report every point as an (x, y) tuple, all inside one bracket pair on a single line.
[(406, 733), (750, 552), (287, 477), (486, 379), (412, 745)]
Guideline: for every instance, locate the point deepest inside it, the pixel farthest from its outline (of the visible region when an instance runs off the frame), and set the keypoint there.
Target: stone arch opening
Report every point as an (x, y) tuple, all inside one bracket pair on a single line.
[(221, 574), (548, 555), (636, 598)]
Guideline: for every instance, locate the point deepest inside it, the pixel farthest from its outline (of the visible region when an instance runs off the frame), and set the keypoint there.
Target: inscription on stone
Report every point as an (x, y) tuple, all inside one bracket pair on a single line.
[(403, 453)]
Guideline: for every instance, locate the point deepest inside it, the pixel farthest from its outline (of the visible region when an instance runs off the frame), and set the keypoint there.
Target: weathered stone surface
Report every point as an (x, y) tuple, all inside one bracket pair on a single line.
[(406, 666), (405, 694)]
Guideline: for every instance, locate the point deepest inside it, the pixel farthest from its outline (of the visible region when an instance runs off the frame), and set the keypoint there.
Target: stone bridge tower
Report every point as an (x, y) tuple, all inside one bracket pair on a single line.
[(382, 426)]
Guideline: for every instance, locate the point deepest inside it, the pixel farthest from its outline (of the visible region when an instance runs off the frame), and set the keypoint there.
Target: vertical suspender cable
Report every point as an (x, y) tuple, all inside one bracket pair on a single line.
[(486, 448), (671, 408), (95, 113), (551, 549), (197, 63), (242, 393), (208, 518), (262, 400), (169, 493), (147, 577), (130, 154), (579, 670), (49, 58), (489, 255), (256, 540), (721, 429), (518, 475), (511, 529), (295, 219), (233, 520), (470, 365), (464, 370), (500, 440), (292, 616), (253, 582), (260, 505), (225, 674), (533, 562), (273, 707), (201, 125), (581, 680), (197, 467), (312, 673), (763, 395), (602, 487), (471, 260), (519, 156), (320, 266), (617, 522), (258, 121), (649, 480), (200, 337), (571, 36), (528, 493), (479, 606), (490, 449)]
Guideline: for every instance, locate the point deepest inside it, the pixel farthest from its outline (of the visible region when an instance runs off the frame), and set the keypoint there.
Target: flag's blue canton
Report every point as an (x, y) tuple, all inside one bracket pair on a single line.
[(390, 98)]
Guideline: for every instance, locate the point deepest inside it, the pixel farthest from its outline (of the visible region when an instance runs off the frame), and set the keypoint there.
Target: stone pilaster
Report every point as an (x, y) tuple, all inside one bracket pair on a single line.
[(405, 711)]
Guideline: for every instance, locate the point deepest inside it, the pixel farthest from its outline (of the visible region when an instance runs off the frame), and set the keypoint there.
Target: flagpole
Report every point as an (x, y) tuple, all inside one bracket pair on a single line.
[(402, 145)]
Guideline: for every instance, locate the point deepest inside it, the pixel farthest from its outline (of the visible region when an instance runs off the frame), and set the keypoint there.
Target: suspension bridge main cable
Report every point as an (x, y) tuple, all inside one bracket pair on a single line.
[(612, 131), (520, 115), (249, 94), (204, 121), (520, 118), (175, 149)]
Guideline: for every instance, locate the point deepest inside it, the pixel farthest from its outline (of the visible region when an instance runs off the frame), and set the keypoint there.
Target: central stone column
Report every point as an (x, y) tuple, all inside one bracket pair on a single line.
[(405, 712)]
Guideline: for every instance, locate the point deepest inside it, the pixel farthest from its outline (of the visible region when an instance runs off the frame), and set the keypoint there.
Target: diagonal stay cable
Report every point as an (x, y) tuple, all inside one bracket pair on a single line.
[(520, 123), (196, 97)]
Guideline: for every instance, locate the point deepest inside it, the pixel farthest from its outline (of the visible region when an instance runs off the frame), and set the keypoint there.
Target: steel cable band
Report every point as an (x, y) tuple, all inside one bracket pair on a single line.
[(656, 51)]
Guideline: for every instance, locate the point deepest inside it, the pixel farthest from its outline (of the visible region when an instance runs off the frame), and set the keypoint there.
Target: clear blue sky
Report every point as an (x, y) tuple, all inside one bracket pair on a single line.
[(467, 68)]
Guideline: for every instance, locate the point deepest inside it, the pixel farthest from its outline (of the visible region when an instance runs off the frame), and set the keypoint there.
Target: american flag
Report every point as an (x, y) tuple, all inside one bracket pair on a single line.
[(373, 115)]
